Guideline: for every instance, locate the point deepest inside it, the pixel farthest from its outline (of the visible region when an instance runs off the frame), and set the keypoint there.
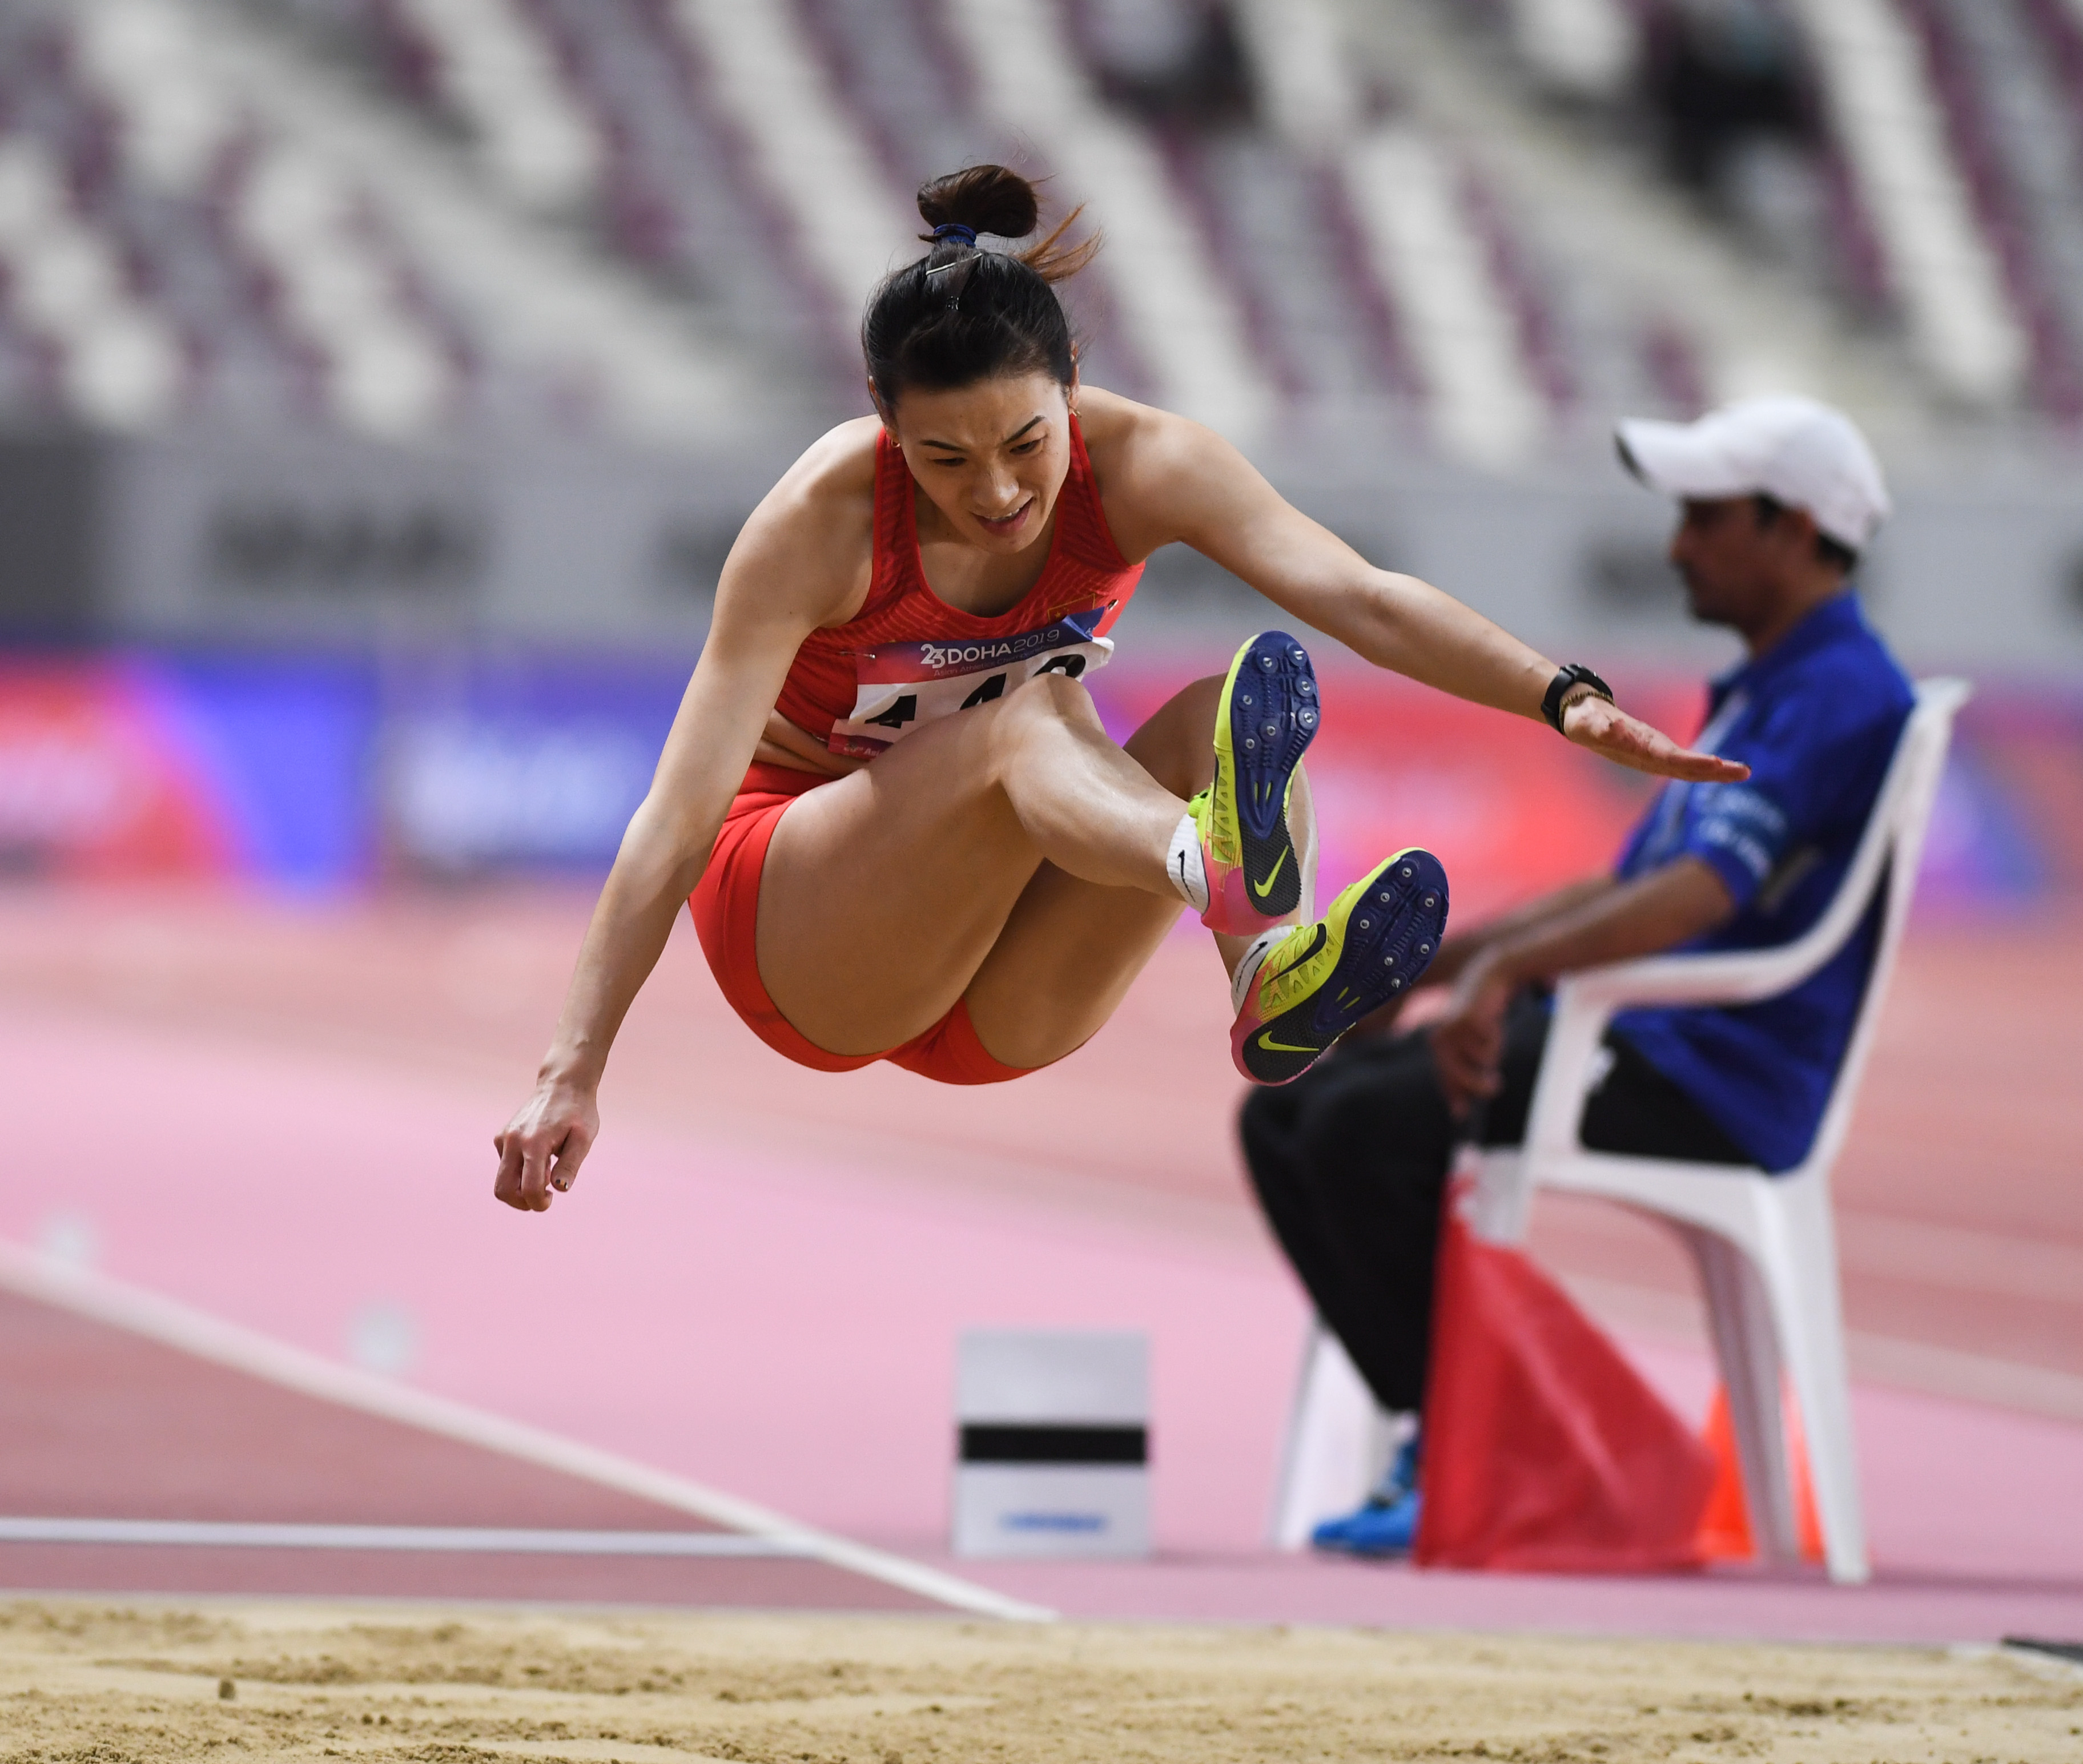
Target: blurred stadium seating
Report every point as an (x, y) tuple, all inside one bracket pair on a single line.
[(440, 337), (250, 210)]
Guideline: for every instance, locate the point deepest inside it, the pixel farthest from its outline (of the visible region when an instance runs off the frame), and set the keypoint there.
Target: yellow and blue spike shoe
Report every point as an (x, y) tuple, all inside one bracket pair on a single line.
[(1267, 717), (1300, 988)]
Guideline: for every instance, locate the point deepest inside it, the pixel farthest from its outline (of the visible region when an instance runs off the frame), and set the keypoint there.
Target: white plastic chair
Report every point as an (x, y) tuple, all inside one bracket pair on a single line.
[(1765, 1245)]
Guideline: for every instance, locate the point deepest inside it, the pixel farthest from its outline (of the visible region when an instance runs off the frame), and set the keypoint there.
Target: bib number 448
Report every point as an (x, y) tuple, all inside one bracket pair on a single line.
[(888, 709)]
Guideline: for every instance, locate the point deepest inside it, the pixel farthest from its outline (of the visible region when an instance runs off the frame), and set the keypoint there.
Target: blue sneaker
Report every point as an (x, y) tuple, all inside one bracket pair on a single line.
[(1386, 1523), (1379, 1528)]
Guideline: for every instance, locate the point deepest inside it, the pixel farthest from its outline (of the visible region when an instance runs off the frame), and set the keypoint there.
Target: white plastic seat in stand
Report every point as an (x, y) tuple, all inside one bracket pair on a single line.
[(1765, 1245)]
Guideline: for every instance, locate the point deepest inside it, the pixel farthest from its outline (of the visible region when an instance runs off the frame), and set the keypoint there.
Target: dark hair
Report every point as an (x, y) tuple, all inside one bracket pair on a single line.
[(1827, 549), (962, 313)]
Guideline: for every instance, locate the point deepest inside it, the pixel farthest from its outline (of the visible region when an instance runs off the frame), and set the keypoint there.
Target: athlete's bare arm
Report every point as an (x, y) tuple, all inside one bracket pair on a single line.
[(801, 561), (1163, 478)]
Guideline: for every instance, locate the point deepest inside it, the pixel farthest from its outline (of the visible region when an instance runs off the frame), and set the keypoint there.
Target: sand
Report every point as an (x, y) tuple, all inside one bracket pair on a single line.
[(92, 1683)]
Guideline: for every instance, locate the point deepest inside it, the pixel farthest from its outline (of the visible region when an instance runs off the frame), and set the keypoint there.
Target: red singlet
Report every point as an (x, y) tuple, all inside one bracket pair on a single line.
[(908, 658)]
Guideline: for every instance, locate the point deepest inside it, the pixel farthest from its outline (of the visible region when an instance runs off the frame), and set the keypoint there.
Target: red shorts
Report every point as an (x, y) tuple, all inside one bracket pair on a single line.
[(725, 904)]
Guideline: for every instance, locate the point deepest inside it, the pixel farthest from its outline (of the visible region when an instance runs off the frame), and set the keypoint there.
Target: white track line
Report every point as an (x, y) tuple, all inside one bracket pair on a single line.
[(210, 1338), (446, 1540)]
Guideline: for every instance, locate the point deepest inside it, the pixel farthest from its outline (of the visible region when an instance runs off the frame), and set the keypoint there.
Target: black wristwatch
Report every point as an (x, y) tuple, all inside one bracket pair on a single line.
[(1570, 673)]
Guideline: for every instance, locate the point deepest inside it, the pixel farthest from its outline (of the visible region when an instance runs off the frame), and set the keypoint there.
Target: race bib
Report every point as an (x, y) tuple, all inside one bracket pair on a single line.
[(902, 686)]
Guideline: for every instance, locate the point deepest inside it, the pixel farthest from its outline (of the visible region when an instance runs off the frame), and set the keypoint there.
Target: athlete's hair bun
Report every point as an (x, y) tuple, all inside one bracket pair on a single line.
[(985, 199), (962, 314)]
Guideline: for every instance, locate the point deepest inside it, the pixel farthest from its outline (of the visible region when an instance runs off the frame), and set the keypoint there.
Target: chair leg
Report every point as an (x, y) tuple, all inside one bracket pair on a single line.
[(1741, 1317), (1500, 1196), (1800, 1268), (1337, 1442)]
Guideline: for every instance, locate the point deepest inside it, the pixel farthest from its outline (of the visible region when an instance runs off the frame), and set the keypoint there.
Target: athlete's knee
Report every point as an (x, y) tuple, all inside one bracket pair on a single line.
[(1049, 698), (1065, 694)]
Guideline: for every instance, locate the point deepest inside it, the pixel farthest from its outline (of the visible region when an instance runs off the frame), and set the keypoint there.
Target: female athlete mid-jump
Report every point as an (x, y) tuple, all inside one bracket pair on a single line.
[(905, 833)]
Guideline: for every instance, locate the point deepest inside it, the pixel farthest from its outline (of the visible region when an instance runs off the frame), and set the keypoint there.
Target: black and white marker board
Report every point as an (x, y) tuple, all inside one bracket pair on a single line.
[(1054, 1454)]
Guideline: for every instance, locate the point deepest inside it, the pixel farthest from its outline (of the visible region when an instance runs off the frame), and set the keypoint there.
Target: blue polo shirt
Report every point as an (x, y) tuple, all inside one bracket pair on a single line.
[(1816, 718)]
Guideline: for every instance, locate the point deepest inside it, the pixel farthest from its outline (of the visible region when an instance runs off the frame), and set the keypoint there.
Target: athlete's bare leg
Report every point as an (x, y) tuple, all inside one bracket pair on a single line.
[(886, 894), (1023, 1012)]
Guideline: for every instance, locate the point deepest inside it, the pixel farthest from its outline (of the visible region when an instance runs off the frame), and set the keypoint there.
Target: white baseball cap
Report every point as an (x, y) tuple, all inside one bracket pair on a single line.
[(1793, 449)]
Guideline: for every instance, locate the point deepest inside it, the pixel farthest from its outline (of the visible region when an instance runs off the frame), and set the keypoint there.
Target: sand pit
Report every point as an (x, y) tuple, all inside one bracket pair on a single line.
[(86, 1682)]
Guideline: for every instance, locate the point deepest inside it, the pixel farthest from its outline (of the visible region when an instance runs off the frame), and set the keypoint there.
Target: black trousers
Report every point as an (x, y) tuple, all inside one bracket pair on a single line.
[(1350, 1163)]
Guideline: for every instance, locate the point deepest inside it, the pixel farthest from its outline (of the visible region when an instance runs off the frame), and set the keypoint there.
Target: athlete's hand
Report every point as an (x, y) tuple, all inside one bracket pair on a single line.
[(542, 1148), (1605, 728), (1467, 1042)]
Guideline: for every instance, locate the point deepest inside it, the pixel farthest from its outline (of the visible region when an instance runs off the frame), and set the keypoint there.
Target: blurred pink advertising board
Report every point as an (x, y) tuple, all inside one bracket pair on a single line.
[(328, 772)]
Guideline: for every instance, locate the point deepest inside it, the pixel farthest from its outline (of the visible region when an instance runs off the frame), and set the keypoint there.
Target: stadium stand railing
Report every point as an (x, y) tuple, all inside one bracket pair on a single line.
[(850, 224), (489, 63), (1168, 289), (314, 253), (2006, 121), (1465, 336), (1429, 251), (118, 361), (1881, 99)]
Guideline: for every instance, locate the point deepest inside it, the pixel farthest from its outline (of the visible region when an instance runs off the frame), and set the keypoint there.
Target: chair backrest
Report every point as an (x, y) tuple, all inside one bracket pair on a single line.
[(1889, 855), (1885, 858), (1901, 811)]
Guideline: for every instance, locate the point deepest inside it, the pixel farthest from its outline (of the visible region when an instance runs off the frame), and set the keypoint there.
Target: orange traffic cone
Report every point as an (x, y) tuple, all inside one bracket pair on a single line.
[(1725, 1526)]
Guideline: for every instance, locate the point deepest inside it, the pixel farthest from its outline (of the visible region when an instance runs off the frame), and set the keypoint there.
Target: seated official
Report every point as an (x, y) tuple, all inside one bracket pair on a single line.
[(1350, 1162)]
